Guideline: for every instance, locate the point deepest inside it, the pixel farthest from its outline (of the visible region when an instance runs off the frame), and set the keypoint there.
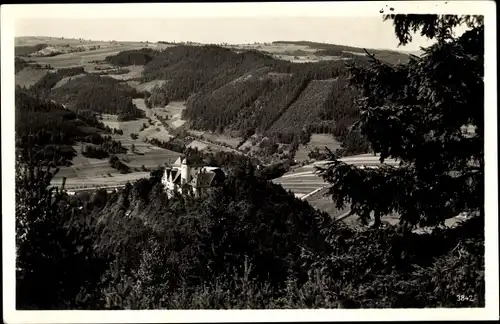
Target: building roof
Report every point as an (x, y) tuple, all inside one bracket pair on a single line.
[(173, 175), (208, 176), (178, 162), (201, 176)]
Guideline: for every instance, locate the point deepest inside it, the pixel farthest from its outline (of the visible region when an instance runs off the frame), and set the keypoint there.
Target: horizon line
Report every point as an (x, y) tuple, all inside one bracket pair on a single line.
[(217, 43)]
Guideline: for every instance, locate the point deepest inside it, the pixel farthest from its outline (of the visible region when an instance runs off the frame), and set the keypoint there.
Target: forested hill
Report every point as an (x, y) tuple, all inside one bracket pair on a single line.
[(99, 94), (247, 91), (47, 131)]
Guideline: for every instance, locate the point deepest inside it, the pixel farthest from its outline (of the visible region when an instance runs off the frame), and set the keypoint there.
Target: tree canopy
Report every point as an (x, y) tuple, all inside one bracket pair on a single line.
[(416, 113)]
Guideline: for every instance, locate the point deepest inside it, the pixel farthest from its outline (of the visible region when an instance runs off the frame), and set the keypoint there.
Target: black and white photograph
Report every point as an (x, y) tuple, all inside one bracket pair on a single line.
[(315, 158)]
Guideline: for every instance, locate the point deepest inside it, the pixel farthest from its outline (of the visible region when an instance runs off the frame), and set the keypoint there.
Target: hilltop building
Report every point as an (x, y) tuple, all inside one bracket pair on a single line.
[(197, 178)]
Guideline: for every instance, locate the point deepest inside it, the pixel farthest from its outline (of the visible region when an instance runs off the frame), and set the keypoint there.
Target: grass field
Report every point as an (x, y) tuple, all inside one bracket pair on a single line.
[(66, 80), (210, 147), (95, 172), (147, 86), (302, 181), (84, 58), (325, 203), (135, 72), (174, 112), (319, 141), (29, 76), (128, 127), (218, 138)]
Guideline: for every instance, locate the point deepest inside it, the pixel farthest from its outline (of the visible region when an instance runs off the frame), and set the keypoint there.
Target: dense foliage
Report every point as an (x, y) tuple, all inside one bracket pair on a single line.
[(253, 93), (131, 57), (99, 95), (46, 131), (49, 80), (249, 244), (416, 113), (116, 163), (102, 147)]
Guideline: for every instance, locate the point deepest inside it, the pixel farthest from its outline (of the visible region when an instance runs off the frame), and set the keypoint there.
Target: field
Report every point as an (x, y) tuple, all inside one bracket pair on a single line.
[(304, 180), (88, 172), (319, 141), (218, 138), (66, 80), (135, 72), (128, 127), (84, 58), (29, 76), (174, 112), (210, 147), (147, 86)]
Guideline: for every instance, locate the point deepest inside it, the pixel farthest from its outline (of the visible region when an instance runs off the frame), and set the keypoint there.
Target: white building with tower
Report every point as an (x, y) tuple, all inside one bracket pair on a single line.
[(197, 178)]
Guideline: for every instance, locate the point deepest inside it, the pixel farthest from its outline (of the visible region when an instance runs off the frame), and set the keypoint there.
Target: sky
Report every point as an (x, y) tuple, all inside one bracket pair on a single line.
[(368, 32)]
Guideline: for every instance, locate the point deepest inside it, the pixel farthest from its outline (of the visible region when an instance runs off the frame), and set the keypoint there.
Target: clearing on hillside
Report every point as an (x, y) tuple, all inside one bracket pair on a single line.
[(128, 127), (147, 86), (319, 141), (65, 80), (29, 76), (135, 71), (172, 111), (210, 147)]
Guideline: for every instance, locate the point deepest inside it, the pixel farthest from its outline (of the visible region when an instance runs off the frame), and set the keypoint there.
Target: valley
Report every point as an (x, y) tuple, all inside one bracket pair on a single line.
[(178, 175), (270, 101)]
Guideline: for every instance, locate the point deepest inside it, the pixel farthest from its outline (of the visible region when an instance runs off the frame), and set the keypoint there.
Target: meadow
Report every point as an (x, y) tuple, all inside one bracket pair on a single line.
[(317, 141)]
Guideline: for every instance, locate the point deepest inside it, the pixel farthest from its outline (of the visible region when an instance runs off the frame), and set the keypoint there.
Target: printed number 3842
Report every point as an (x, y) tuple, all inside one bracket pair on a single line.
[(465, 298)]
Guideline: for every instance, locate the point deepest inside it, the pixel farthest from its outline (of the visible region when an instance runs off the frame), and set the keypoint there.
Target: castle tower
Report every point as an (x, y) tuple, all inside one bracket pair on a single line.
[(185, 171)]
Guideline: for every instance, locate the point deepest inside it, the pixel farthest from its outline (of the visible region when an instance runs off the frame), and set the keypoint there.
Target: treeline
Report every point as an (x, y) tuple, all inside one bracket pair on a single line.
[(20, 64), (46, 131), (249, 244), (131, 57), (49, 80), (193, 69), (115, 163), (101, 147), (100, 95), (217, 109)]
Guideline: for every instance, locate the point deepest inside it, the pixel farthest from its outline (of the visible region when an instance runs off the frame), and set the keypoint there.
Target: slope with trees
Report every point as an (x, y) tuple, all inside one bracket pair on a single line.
[(246, 92), (415, 112), (305, 110), (49, 80), (131, 57), (46, 131), (99, 95)]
